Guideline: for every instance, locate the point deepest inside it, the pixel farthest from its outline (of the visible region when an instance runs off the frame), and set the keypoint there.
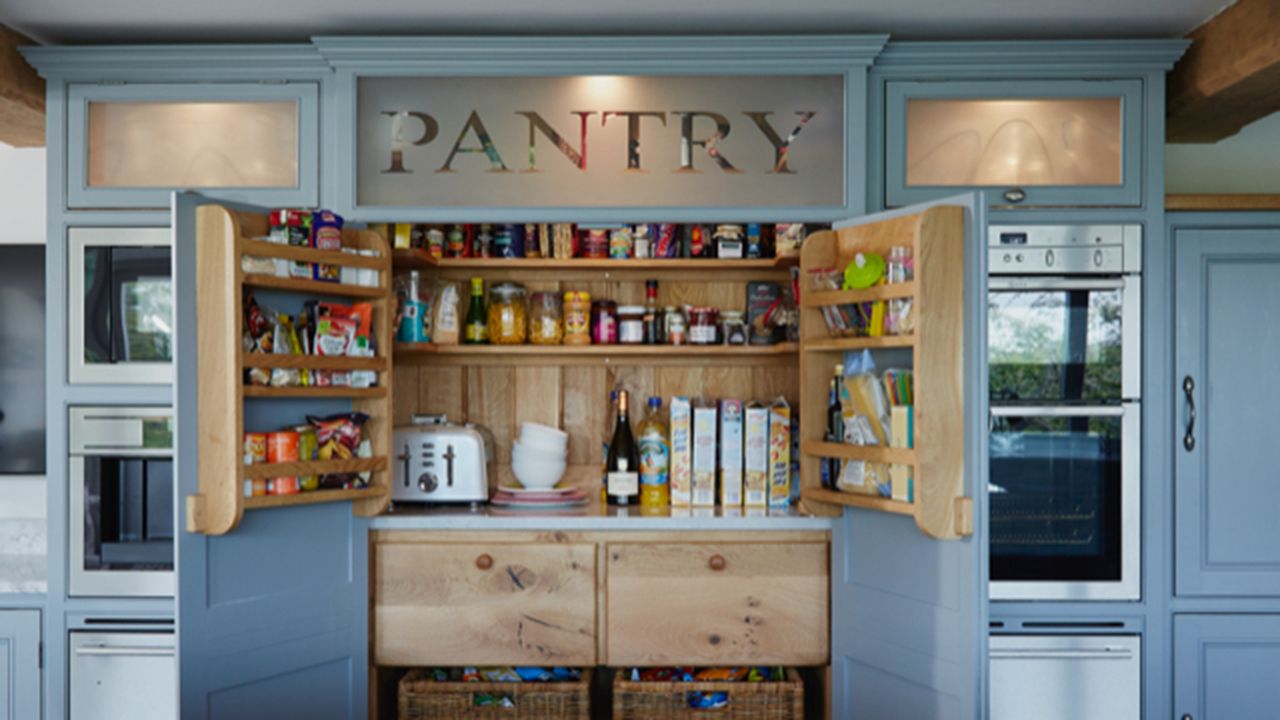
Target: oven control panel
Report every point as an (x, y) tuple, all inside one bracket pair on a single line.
[(1064, 249)]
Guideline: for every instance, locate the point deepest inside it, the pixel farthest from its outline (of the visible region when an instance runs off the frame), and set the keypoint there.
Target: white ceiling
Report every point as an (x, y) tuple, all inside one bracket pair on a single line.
[(115, 21)]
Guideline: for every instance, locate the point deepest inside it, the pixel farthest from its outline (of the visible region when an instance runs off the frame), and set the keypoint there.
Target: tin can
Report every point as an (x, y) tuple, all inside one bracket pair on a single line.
[(435, 242), (577, 318), (282, 446), (255, 448), (283, 486), (255, 487)]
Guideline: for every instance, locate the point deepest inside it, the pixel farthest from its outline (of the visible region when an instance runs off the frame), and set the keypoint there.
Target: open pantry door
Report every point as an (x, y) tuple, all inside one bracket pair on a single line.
[(909, 612), (272, 618)]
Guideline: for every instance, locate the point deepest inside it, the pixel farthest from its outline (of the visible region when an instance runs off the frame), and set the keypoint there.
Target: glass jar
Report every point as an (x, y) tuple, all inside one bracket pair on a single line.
[(595, 244), (577, 318), (702, 325), (735, 330), (631, 324), (604, 322), (545, 326), (508, 318), (674, 327)]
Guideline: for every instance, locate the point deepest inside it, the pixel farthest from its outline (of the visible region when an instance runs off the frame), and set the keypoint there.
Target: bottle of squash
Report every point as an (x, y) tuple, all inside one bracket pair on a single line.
[(655, 458)]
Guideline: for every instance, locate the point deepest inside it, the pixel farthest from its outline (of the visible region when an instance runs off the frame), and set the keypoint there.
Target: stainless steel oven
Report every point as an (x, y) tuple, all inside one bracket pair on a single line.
[(1064, 356), (119, 305), (120, 501)]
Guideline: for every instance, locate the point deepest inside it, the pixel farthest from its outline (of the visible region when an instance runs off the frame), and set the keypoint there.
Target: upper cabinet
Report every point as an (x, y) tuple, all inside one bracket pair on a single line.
[(1046, 143), (131, 145)]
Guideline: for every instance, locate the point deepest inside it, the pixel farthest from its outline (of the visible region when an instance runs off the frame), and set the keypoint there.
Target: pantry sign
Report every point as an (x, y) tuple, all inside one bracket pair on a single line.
[(601, 141)]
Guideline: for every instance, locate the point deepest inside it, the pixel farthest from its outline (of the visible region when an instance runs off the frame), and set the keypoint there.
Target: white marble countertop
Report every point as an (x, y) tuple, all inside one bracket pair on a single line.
[(595, 517)]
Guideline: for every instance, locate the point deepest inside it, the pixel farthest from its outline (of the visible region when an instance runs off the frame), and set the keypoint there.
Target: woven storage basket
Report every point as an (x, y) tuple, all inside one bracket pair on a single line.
[(422, 698), (773, 700)]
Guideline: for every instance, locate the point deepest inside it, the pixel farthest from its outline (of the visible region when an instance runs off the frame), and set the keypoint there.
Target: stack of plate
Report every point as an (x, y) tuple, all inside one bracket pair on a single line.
[(518, 498)]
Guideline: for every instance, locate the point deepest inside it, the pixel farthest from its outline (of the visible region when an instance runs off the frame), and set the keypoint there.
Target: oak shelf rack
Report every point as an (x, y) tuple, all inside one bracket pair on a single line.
[(518, 355)]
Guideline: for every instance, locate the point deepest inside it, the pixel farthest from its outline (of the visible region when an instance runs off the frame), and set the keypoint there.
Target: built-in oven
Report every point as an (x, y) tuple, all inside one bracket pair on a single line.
[(1064, 359), (121, 501), (119, 305)]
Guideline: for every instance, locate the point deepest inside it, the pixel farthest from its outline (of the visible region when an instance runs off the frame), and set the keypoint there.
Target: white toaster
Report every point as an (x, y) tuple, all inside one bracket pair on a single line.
[(437, 461)]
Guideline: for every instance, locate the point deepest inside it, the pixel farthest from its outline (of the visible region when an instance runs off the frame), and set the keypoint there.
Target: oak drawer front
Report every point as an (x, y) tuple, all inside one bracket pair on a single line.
[(717, 603), (484, 604)]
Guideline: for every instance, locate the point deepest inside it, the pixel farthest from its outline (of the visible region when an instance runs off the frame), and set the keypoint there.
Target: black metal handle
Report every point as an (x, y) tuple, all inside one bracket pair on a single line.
[(1187, 717), (1188, 388)]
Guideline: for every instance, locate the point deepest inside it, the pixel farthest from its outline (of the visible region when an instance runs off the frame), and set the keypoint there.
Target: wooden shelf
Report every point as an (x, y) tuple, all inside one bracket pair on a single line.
[(312, 287), (263, 249), (893, 456), (260, 391), (860, 343), (682, 269), (312, 498), (870, 502), (314, 467), (848, 297), (312, 362), (598, 354)]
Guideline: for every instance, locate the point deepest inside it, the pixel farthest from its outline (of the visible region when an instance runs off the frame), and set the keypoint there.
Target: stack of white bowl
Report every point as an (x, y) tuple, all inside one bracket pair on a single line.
[(539, 456)]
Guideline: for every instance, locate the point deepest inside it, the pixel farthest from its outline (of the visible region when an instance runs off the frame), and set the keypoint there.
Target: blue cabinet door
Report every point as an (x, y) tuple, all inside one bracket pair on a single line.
[(1227, 466), (1226, 667), (909, 613), (19, 664), (272, 618)]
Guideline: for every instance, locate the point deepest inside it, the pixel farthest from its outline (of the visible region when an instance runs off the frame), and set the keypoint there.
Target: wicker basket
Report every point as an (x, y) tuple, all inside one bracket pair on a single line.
[(422, 698), (772, 700)]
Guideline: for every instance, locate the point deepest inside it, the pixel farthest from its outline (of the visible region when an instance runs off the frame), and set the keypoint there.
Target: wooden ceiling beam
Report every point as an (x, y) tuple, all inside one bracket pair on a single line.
[(21, 94), (1229, 77)]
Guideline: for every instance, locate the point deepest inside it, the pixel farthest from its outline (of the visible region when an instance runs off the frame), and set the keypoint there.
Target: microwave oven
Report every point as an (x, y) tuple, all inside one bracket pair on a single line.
[(120, 306)]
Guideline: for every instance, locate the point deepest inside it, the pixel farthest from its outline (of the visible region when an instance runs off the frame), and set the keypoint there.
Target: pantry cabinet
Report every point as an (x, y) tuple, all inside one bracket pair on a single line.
[(19, 664), (1225, 666), (131, 145)]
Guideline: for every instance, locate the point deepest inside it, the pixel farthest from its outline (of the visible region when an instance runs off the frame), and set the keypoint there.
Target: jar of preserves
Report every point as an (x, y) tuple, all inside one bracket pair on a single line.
[(577, 318), (631, 325), (674, 327), (545, 323), (702, 325), (604, 322), (508, 317), (735, 330)]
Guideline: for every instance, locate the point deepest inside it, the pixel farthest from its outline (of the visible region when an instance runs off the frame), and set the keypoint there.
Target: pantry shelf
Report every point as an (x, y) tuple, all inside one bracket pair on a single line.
[(859, 343), (314, 467), (598, 354), (313, 497), (312, 362), (895, 456), (258, 391), (263, 249), (683, 269), (870, 502), (849, 297), (312, 287)]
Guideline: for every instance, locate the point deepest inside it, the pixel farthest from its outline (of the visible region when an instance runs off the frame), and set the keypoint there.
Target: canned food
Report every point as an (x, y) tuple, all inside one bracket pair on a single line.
[(282, 446), (577, 318), (255, 448), (283, 486)]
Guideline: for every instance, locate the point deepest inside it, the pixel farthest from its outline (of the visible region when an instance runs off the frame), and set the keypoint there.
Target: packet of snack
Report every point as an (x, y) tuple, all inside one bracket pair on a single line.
[(326, 233)]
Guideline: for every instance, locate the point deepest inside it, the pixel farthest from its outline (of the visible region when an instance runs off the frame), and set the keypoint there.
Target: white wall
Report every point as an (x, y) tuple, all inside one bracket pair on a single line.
[(1248, 162), (22, 196)]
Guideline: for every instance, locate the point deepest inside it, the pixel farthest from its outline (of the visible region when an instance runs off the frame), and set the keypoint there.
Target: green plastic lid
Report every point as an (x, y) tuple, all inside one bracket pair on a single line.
[(863, 271)]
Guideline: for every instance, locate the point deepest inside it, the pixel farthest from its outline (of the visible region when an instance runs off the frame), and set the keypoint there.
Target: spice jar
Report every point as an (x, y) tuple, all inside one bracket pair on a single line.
[(631, 324), (702, 325), (595, 244), (577, 318), (604, 322), (735, 330), (508, 320), (673, 326), (545, 326)]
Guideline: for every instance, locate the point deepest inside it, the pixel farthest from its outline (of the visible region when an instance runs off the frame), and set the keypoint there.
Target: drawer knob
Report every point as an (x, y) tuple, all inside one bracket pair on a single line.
[(716, 563), (485, 561)]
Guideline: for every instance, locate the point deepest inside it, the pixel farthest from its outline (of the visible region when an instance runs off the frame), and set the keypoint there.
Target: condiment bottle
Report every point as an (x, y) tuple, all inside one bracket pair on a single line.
[(653, 330)]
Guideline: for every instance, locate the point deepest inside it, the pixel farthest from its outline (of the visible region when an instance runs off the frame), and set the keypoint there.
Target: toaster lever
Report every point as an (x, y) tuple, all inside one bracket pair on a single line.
[(449, 455), (404, 458)]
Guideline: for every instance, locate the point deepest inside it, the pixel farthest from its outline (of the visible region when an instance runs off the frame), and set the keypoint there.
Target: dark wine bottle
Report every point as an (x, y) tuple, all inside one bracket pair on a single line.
[(623, 468)]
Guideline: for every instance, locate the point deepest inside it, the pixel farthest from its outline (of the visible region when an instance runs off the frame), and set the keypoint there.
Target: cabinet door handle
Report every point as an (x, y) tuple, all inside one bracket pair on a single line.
[(485, 561), (1188, 388), (716, 563), (1187, 717)]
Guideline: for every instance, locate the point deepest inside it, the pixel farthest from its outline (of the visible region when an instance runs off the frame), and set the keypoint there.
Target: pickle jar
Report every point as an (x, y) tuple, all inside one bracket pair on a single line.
[(546, 326), (508, 316)]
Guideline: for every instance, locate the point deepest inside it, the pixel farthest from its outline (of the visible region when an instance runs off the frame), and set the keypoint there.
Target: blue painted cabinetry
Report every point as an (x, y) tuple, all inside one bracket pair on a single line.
[(1227, 462), (19, 664), (1227, 667)]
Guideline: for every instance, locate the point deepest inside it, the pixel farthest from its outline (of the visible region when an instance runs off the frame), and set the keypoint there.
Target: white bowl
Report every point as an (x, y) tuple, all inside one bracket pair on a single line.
[(543, 436), (537, 474), (534, 452)]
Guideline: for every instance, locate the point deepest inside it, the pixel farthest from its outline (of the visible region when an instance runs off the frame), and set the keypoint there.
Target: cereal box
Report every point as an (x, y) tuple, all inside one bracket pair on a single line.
[(704, 455), (731, 453), (780, 452), (681, 452), (756, 476)]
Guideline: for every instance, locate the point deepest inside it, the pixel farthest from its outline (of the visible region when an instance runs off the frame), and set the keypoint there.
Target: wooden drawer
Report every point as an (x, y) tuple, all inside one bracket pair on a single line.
[(484, 604), (717, 604)]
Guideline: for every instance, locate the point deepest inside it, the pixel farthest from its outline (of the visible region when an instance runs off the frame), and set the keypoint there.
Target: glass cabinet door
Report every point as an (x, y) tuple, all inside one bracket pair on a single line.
[(1050, 143), (131, 145)]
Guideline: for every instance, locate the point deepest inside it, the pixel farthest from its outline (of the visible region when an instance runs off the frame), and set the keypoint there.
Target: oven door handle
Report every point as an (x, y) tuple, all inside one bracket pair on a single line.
[(1056, 411), (126, 650), (1022, 283)]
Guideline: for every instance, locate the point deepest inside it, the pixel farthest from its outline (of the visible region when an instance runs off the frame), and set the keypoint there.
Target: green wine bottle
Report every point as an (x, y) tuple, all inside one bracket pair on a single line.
[(477, 325)]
